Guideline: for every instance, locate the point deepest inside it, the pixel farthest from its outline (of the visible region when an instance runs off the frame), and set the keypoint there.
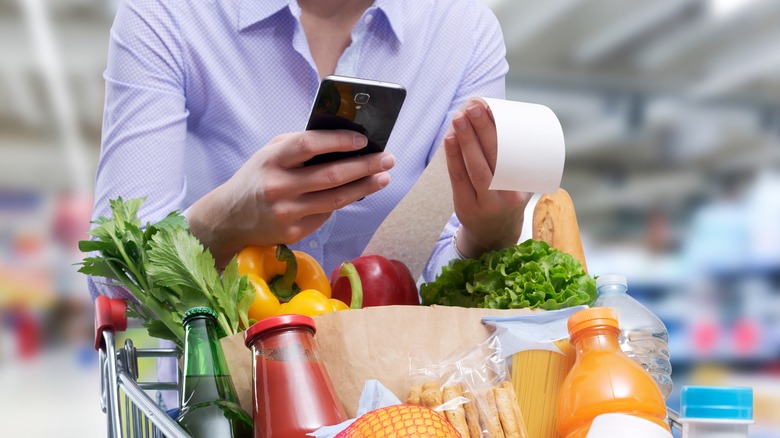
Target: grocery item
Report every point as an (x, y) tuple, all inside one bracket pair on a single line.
[(643, 336), (166, 269), (527, 275), (494, 412), (400, 421), (209, 405), (385, 282), (293, 394), (286, 281), (603, 379), (555, 222), (623, 425), (716, 411), (537, 377)]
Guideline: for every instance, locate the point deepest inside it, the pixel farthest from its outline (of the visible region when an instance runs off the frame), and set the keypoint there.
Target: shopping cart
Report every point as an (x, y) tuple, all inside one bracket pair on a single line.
[(130, 410)]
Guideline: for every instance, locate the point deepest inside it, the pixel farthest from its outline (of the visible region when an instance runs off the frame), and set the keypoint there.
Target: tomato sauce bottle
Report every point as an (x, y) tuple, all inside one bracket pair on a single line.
[(603, 380), (292, 393)]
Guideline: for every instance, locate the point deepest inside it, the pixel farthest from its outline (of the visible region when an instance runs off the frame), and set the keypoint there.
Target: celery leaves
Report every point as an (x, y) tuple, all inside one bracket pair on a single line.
[(166, 269)]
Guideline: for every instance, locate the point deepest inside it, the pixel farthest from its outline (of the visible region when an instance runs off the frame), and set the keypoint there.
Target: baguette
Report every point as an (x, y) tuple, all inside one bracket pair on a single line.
[(555, 222)]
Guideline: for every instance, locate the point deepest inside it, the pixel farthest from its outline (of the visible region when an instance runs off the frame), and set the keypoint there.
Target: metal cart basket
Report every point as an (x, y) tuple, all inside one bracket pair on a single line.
[(130, 411)]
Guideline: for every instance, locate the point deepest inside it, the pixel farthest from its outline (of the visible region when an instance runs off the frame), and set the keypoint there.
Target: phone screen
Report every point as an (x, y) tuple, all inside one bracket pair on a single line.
[(368, 107)]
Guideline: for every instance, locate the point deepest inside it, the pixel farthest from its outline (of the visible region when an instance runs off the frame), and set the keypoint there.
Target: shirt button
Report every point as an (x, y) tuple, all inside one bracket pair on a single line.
[(313, 244), (368, 18)]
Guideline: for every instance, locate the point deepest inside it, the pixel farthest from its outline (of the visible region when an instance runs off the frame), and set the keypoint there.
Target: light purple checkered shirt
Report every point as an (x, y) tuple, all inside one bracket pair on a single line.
[(194, 88)]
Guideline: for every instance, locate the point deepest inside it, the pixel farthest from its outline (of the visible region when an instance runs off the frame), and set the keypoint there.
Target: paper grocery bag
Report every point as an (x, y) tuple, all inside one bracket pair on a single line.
[(375, 343)]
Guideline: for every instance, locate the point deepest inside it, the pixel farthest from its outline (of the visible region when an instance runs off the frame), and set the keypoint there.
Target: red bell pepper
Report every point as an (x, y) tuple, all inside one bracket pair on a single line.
[(385, 282)]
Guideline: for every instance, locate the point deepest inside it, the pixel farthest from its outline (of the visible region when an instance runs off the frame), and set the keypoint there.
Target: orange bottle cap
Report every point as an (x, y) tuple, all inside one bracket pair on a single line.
[(592, 317)]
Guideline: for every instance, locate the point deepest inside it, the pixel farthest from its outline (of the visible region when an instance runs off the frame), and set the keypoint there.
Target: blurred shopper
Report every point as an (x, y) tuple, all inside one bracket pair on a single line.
[(205, 102)]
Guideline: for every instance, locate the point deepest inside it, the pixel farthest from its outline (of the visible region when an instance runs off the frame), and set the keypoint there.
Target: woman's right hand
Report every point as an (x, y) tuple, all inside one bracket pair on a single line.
[(274, 199)]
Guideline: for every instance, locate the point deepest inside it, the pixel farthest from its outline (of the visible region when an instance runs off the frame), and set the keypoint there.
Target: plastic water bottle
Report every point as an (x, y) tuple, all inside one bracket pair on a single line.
[(643, 336)]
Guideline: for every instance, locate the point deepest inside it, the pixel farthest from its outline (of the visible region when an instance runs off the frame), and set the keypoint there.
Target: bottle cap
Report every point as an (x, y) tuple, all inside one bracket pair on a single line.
[(592, 317), (717, 402), (613, 280), (277, 322), (198, 311)]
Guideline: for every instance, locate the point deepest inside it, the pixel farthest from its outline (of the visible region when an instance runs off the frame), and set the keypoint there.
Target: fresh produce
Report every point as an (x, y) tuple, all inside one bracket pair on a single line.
[(385, 282), (527, 275), (287, 281), (400, 421), (166, 269)]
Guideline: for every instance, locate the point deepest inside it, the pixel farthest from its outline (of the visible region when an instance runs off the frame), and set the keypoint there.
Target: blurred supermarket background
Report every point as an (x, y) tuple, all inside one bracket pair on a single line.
[(671, 110)]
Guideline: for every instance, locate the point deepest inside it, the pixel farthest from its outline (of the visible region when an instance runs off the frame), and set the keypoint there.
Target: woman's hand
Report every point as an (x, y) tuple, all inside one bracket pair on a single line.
[(490, 219), (273, 199)]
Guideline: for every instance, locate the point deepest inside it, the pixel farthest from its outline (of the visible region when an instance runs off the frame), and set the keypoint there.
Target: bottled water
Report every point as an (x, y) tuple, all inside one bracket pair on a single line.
[(643, 336)]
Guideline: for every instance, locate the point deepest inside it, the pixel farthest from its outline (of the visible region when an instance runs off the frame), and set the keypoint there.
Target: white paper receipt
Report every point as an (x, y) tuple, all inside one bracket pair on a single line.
[(531, 148)]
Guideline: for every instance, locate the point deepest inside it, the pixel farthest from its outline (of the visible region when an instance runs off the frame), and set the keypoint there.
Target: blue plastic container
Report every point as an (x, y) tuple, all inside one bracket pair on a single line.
[(716, 411)]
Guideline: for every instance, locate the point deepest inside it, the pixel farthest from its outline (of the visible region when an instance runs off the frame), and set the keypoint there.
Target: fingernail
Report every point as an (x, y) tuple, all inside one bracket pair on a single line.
[(474, 110), (383, 180), (387, 162), (359, 141), (459, 122)]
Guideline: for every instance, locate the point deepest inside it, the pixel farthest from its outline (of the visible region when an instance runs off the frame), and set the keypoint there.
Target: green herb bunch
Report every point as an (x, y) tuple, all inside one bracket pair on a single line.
[(166, 269), (527, 275)]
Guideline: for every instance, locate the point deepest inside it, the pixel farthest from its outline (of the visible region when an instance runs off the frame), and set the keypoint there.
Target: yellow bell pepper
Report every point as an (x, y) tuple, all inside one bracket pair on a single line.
[(272, 263), (288, 281)]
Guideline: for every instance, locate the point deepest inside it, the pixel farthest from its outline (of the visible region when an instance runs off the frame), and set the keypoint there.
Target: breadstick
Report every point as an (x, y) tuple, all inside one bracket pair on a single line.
[(489, 415), (430, 397), (456, 416), (414, 395), (555, 222), (472, 416), (506, 402)]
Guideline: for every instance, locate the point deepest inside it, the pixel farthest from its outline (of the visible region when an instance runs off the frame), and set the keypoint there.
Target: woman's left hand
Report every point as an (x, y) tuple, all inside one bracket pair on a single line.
[(490, 219)]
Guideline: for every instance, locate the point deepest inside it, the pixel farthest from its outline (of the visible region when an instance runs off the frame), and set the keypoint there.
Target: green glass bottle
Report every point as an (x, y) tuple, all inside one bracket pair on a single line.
[(209, 405)]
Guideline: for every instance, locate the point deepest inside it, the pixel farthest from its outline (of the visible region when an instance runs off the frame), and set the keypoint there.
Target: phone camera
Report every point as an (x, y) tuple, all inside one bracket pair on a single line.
[(362, 98)]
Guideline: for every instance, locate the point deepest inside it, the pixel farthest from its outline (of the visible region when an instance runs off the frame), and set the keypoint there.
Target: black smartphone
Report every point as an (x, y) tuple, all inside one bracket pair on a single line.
[(361, 105)]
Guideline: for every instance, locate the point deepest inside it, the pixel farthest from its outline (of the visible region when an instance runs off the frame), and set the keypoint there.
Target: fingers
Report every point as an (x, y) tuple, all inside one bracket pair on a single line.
[(326, 201), (334, 174), (477, 144), (462, 189), (297, 148), (484, 125)]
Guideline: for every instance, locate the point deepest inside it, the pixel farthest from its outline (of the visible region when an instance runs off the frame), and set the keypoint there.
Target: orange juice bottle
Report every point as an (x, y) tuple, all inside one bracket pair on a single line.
[(603, 379)]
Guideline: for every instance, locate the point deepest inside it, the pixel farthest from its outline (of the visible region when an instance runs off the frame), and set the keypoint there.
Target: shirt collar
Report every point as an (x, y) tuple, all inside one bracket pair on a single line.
[(255, 11)]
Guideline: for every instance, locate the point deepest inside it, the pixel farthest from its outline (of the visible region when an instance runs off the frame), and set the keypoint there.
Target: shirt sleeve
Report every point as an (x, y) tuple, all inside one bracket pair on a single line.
[(144, 119), (145, 116), (484, 77)]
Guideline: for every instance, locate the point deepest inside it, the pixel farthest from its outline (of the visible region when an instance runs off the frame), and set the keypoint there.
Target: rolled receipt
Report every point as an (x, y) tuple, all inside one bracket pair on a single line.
[(530, 159), (531, 147)]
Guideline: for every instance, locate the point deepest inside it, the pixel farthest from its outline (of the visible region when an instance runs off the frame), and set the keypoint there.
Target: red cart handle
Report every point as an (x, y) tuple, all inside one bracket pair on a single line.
[(109, 315)]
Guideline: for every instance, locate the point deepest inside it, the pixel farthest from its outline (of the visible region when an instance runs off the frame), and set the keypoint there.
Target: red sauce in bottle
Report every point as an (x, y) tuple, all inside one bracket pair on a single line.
[(293, 394)]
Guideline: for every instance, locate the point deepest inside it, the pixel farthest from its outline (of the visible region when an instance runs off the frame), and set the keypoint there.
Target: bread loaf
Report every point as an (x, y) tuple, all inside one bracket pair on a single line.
[(555, 222)]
